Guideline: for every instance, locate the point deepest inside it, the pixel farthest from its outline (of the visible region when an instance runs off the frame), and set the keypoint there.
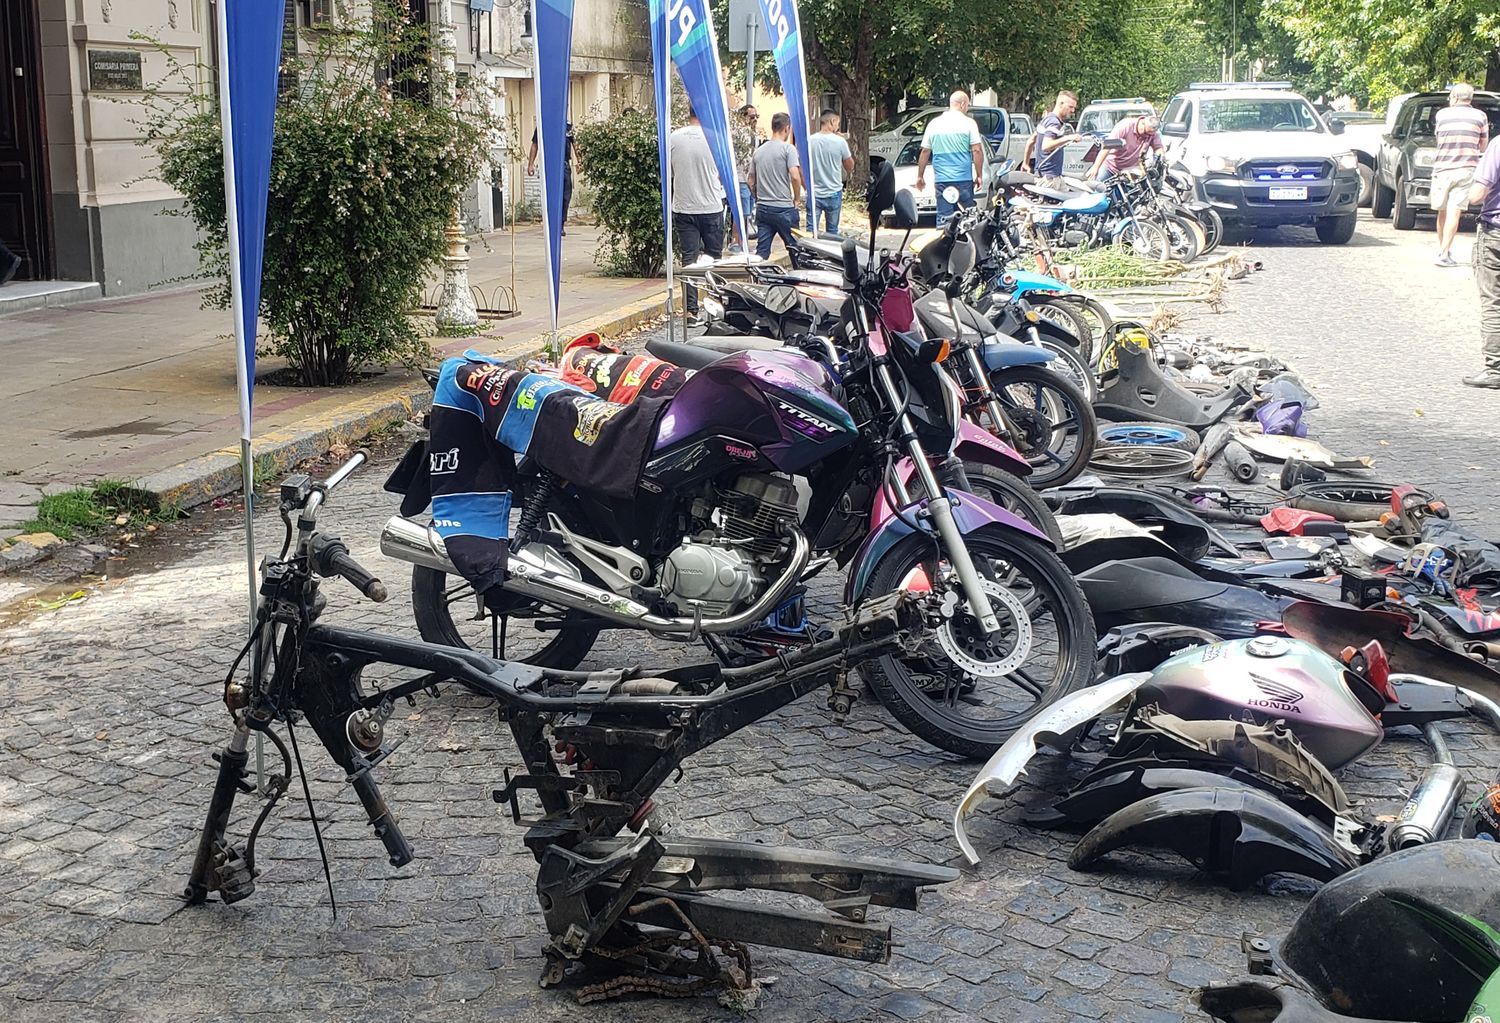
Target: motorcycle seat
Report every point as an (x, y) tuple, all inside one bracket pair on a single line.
[(707, 350), (1057, 194), (1016, 179), (1088, 202)]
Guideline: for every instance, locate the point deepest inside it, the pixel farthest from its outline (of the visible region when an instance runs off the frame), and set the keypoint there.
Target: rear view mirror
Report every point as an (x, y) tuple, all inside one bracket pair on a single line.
[(1176, 129), (1337, 127), (962, 257), (905, 210), (882, 191)]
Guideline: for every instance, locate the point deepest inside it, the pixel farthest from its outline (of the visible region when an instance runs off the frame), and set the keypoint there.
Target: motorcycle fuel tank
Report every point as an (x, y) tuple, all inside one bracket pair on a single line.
[(1263, 679), (779, 402)]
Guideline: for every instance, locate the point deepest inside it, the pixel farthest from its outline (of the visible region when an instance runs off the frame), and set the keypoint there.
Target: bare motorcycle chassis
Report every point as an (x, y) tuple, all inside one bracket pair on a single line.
[(612, 892)]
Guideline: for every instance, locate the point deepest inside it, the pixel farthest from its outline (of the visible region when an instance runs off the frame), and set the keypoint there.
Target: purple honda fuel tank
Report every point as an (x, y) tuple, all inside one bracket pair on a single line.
[(1263, 679), (780, 403)]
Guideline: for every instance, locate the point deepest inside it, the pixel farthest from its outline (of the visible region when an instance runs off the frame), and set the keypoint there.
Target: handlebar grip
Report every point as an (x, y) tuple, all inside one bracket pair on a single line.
[(361, 579), (851, 261), (382, 820)]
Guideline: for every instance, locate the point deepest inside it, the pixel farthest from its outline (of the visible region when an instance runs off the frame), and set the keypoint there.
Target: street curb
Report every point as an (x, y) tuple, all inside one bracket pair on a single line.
[(205, 477)]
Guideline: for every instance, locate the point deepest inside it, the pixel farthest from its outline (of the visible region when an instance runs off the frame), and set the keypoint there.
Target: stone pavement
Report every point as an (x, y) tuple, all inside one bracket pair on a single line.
[(130, 387), (112, 709)]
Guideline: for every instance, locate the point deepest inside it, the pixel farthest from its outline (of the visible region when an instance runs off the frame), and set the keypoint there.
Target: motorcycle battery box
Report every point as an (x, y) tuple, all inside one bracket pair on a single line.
[(1362, 587)]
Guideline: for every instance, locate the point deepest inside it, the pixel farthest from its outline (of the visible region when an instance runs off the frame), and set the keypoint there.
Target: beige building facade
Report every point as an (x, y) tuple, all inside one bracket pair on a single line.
[(79, 199)]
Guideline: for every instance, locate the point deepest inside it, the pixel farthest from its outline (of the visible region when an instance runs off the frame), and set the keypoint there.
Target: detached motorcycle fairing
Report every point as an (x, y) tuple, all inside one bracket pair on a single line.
[(1412, 935), (1056, 726), (1236, 835), (1158, 588), (1256, 1002), (1116, 785)]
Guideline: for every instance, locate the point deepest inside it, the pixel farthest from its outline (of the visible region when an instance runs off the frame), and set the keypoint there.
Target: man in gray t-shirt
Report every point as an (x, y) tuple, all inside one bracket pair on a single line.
[(697, 199), (831, 160), (776, 180)]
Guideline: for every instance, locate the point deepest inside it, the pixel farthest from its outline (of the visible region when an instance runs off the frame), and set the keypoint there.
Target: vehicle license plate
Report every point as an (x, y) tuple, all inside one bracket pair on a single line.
[(1289, 192)]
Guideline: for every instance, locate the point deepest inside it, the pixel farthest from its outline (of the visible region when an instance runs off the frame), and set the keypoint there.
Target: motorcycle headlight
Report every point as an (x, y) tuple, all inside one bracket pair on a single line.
[(1424, 157), (712, 308), (1346, 161), (1222, 165)]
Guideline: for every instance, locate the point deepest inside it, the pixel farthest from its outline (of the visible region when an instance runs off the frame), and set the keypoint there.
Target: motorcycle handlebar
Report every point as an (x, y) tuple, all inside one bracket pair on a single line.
[(331, 557), (346, 470), (851, 261)]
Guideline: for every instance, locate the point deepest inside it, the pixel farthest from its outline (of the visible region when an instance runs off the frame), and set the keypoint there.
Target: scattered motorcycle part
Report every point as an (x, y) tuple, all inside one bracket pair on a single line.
[(1213, 443), (1237, 836), (1345, 500), (1257, 1002), (1429, 810), (1114, 786), (1056, 727), (1408, 936), (1278, 448), (1134, 461), (1295, 471), (1240, 462), (1149, 434), (1158, 588)]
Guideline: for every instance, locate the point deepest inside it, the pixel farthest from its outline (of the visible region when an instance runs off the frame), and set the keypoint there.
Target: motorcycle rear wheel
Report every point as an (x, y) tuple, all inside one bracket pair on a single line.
[(973, 714), (434, 593), (1213, 228), (1144, 239)]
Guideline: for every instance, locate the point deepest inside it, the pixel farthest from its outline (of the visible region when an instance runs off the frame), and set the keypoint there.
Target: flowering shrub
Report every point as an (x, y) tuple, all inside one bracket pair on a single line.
[(364, 175)]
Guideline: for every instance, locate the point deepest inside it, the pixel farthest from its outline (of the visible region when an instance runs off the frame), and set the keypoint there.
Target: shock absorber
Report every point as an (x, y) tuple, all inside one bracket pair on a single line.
[(534, 506)]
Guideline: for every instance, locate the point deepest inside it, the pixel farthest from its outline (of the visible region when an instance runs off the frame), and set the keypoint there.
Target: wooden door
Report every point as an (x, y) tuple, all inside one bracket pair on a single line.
[(25, 200)]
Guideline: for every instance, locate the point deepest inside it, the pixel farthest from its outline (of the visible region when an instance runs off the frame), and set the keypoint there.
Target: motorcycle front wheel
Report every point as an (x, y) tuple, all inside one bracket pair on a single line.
[(531, 632), (1056, 423), (1144, 239), (967, 692)]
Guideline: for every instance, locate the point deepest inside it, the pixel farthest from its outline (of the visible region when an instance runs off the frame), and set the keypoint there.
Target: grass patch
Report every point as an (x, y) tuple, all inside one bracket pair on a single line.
[(87, 510)]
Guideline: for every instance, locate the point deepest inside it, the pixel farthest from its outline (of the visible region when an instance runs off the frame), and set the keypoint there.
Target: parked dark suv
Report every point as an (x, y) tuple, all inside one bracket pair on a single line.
[(1403, 167)]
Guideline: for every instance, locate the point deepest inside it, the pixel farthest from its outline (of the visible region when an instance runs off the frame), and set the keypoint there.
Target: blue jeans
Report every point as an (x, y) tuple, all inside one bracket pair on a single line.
[(772, 222), (830, 206), (946, 209), (747, 204)]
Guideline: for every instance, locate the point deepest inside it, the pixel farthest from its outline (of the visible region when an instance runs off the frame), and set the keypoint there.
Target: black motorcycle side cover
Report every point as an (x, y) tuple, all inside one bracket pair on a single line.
[(1139, 390), (1235, 835), (1158, 589), (1115, 785), (1409, 936), (1255, 1002)]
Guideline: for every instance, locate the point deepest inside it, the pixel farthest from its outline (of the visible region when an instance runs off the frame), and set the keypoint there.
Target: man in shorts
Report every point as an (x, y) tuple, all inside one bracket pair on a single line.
[(1462, 133)]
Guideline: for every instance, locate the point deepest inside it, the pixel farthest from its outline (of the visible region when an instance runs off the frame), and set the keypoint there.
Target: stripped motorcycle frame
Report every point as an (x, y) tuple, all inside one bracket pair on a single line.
[(615, 895)]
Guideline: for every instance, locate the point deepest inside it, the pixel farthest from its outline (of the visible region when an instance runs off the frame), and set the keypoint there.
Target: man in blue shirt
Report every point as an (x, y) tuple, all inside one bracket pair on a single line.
[(1052, 135), (954, 147)]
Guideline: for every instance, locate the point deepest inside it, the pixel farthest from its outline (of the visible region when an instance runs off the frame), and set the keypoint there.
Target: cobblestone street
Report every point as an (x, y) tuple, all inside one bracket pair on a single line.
[(110, 709)]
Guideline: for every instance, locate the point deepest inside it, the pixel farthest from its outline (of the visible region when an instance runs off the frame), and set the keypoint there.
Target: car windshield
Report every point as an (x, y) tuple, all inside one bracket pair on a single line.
[(1422, 116), (1279, 114), (1103, 120)]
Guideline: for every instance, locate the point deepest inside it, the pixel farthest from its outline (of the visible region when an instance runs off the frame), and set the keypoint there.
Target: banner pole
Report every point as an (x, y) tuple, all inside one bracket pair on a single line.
[(666, 115), (241, 358)]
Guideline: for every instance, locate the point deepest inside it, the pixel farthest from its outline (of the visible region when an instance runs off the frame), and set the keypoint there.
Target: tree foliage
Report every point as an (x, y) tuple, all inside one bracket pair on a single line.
[(620, 160), (363, 181)]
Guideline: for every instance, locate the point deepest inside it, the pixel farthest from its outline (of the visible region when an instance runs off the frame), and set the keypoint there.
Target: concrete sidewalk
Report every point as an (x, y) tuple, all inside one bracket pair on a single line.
[(143, 388)]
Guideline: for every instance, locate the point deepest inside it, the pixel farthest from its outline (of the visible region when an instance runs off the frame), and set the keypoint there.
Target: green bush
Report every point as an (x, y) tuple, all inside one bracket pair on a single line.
[(619, 157), (364, 176)]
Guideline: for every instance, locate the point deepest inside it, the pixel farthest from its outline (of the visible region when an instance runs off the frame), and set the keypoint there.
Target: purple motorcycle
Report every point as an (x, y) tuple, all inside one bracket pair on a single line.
[(766, 467)]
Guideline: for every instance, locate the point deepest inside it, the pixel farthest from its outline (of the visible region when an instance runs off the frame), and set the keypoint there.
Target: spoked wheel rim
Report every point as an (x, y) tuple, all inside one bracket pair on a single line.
[(984, 687), (1051, 430), (1139, 461)]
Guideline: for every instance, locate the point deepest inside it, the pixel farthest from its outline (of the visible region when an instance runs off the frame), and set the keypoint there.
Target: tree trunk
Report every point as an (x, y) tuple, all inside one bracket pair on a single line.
[(852, 84), (1492, 71)]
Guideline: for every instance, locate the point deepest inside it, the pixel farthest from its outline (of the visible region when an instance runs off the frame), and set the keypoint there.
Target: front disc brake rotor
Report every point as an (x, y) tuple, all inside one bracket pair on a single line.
[(1001, 652)]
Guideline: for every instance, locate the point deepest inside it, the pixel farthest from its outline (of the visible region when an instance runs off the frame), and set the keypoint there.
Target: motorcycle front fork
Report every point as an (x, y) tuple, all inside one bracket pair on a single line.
[(940, 511)]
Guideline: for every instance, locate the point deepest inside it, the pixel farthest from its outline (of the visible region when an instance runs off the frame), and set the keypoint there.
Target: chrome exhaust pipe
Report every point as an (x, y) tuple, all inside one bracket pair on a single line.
[(1429, 810), (531, 576)]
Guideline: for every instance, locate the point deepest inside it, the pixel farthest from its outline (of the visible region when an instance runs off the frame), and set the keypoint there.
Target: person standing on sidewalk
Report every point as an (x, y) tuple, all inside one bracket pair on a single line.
[(1485, 193), (1051, 137), (831, 161), (10, 263), (745, 136), (1461, 133), (776, 181), (955, 148), (697, 200), (569, 159)]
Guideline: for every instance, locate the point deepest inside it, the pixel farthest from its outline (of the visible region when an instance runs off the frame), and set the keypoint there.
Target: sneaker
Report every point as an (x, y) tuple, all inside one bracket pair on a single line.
[(1446, 260), (1489, 379), (9, 270)]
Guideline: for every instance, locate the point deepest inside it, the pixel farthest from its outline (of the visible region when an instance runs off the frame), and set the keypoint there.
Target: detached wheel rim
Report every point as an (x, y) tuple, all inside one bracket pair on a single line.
[(1145, 436)]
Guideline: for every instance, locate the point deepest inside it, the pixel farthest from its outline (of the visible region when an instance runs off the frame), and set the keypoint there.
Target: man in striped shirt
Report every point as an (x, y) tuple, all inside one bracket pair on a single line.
[(1462, 133)]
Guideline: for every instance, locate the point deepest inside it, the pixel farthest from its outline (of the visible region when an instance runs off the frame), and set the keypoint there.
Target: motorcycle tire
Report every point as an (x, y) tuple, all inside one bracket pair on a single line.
[(1184, 240), (1049, 412), (432, 603), (1160, 435), (1069, 319), (1011, 492), (1144, 239), (1091, 311), (972, 715), (1213, 229), (1071, 364)]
